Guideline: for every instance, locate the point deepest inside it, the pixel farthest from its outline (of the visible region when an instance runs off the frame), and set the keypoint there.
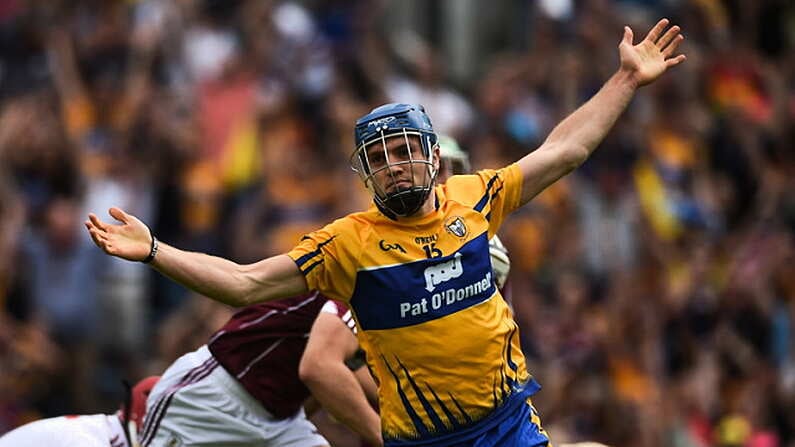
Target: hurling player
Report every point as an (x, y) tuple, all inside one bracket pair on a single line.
[(325, 365), (242, 387)]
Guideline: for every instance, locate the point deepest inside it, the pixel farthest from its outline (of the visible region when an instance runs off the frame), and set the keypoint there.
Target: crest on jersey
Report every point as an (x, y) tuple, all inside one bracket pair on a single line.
[(456, 226)]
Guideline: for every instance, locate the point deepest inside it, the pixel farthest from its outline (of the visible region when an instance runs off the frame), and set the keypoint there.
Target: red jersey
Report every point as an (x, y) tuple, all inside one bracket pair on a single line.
[(261, 346)]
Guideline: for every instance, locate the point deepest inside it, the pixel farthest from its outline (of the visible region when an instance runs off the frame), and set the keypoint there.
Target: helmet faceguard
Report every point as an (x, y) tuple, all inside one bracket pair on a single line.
[(377, 166)]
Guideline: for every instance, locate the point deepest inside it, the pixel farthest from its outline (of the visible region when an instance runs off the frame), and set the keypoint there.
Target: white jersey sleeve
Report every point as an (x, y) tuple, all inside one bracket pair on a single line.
[(97, 430)]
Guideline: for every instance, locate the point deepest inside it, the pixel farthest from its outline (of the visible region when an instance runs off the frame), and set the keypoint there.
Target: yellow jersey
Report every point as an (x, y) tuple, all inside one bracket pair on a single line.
[(440, 340)]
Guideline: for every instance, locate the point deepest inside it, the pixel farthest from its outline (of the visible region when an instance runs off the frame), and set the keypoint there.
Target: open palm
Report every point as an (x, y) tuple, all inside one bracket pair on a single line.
[(647, 60), (131, 240)]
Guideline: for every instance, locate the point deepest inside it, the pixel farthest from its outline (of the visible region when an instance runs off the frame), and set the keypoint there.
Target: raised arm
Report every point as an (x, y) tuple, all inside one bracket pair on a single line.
[(220, 279), (573, 139)]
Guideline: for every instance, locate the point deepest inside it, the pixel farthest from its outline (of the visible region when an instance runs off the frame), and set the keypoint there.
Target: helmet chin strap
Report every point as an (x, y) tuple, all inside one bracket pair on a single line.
[(405, 203)]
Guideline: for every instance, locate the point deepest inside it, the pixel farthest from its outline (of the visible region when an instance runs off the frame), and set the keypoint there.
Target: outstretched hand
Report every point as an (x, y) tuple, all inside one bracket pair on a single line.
[(647, 60), (130, 240)]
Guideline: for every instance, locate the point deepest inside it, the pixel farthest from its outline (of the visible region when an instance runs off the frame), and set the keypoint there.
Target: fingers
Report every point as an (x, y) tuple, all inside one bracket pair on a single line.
[(670, 49), (94, 220), (656, 32), (668, 36), (118, 214), (667, 42), (675, 61), (99, 237), (628, 36)]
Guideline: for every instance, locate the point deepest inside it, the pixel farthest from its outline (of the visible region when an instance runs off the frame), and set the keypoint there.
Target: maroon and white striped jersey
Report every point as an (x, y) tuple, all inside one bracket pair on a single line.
[(261, 346)]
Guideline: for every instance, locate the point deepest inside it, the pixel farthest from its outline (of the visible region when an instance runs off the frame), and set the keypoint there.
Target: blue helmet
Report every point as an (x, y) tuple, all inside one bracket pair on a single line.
[(411, 123)]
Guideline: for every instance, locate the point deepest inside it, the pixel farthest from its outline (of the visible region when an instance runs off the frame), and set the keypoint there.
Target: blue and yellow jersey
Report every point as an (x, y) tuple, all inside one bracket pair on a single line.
[(439, 338)]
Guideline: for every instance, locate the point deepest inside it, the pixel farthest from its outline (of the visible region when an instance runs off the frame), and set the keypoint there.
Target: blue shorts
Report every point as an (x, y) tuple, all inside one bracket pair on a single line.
[(515, 424), (522, 429)]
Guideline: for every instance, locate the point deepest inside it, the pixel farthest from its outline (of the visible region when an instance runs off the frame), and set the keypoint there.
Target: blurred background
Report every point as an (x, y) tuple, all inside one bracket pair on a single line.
[(655, 286)]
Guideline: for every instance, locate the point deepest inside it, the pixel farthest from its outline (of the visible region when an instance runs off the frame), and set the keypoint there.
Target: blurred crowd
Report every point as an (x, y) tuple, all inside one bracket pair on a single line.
[(655, 286)]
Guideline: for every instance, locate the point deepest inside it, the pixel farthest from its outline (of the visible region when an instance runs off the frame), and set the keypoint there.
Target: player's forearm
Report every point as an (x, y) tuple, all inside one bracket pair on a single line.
[(337, 389), (581, 132), (211, 276), (223, 280)]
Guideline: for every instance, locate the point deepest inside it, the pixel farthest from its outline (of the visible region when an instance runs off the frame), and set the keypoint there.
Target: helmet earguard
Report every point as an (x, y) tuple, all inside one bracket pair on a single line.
[(396, 121)]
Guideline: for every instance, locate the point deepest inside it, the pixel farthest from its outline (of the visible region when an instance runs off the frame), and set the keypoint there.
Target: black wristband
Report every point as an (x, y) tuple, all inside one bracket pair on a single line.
[(153, 249)]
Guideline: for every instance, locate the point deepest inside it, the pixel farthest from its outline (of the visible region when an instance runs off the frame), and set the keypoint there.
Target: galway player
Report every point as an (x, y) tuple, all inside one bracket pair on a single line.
[(242, 387)]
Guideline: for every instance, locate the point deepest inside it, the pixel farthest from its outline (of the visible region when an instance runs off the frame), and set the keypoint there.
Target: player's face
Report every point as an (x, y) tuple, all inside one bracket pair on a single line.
[(391, 162)]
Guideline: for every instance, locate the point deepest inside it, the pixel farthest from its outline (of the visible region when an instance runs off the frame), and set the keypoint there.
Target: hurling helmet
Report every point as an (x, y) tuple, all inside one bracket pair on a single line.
[(411, 123)]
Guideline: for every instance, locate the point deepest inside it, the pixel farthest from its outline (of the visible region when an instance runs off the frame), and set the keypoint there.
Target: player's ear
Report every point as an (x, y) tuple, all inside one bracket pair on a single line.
[(436, 154)]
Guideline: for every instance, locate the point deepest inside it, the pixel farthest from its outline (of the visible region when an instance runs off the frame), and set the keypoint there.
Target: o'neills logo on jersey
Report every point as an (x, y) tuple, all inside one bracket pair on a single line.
[(439, 273), (456, 226), (384, 245)]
